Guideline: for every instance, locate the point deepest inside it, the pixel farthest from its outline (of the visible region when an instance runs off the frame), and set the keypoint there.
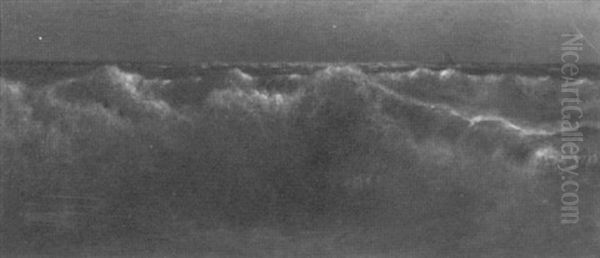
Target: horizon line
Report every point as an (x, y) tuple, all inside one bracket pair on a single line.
[(178, 63)]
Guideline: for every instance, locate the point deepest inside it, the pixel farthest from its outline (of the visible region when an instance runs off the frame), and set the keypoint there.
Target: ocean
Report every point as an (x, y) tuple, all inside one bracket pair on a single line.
[(400, 159)]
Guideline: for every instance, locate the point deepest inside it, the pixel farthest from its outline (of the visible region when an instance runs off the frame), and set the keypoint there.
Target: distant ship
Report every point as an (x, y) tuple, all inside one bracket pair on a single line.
[(447, 60)]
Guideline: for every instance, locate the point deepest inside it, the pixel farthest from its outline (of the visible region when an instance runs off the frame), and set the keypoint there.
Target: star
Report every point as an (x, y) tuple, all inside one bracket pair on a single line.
[(334, 26), (40, 38)]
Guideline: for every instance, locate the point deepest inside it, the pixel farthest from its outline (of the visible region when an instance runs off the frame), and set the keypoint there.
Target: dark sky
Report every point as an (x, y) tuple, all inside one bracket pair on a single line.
[(189, 31)]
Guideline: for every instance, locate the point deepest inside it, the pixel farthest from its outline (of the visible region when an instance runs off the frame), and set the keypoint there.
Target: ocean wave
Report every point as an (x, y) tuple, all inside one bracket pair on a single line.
[(423, 99), (246, 146)]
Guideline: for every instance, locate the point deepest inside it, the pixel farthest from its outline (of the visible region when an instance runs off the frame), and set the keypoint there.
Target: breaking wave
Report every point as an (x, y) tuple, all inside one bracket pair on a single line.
[(447, 158)]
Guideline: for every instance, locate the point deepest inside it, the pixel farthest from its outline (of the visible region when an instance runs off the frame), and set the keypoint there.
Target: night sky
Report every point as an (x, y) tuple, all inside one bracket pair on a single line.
[(187, 31)]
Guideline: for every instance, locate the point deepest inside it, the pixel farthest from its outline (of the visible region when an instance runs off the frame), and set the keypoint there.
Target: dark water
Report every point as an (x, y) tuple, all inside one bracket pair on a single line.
[(411, 159)]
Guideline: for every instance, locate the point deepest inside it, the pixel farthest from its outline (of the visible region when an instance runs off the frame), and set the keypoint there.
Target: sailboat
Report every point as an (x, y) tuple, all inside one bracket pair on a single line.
[(447, 60)]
